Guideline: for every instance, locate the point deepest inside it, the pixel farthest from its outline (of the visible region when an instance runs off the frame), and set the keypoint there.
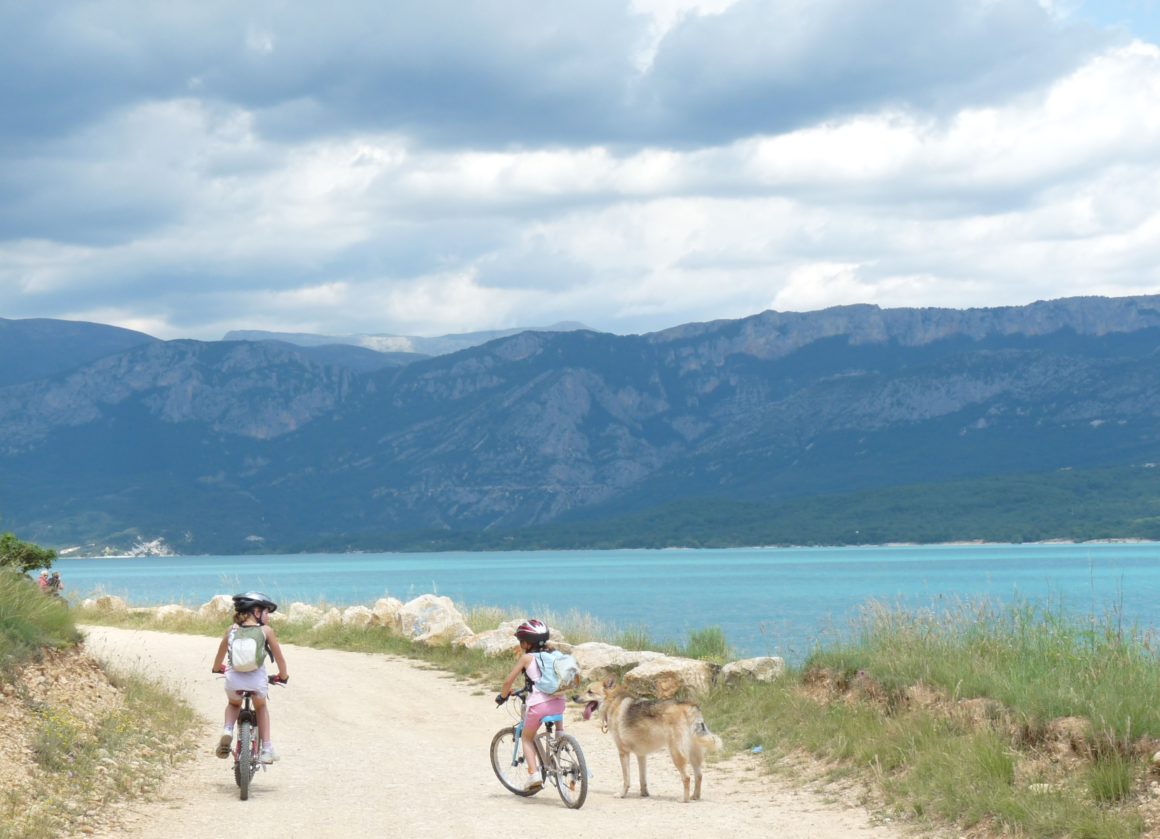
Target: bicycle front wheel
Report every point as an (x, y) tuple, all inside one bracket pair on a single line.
[(507, 760), (571, 771), (244, 766)]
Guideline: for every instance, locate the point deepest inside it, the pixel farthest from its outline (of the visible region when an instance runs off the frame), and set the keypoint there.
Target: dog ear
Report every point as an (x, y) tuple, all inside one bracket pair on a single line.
[(610, 683)]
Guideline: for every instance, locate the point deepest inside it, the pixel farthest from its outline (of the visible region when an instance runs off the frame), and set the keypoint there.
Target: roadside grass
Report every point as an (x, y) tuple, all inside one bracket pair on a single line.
[(80, 763), (83, 767), (1039, 661), (945, 718), (950, 716), (30, 621)]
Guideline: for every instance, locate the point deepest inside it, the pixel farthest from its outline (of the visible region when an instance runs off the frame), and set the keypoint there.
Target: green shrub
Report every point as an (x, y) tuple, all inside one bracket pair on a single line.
[(23, 556), (708, 644)]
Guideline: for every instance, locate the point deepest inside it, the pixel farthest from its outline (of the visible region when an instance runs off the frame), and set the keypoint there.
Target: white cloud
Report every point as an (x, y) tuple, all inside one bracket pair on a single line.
[(510, 183)]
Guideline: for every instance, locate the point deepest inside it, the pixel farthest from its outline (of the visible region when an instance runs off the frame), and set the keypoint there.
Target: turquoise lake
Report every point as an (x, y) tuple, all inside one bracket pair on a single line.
[(768, 601)]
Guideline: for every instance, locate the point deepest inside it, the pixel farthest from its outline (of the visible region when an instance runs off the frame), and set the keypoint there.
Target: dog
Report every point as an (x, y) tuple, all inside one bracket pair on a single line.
[(643, 726)]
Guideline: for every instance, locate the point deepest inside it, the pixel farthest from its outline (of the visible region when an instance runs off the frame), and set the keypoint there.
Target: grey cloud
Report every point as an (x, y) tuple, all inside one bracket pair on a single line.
[(769, 67), (459, 73)]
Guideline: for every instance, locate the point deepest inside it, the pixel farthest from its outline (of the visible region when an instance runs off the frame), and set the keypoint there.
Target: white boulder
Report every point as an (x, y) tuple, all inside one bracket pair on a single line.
[(303, 613), (219, 606), (171, 612), (761, 669), (331, 617), (386, 611), (359, 616), (667, 677), (598, 660), (500, 641), (434, 620), (107, 603)]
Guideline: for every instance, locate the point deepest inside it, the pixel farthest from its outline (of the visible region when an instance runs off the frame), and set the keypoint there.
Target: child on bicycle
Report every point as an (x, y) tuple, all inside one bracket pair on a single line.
[(252, 609), (533, 637)]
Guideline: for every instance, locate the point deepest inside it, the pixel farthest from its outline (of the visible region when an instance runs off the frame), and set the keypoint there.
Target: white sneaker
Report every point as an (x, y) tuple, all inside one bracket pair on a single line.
[(267, 755), (534, 783), (224, 744)]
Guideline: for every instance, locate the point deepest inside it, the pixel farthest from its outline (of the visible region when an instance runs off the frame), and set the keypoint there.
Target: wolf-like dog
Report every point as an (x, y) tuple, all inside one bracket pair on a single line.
[(642, 726)]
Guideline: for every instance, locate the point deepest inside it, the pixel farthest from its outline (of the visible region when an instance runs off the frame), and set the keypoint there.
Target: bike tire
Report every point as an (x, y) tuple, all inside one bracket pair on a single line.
[(571, 771), (245, 759), (507, 761)]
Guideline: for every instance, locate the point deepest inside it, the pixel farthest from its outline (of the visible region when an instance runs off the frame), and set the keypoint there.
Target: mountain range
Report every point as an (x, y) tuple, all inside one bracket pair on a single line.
[(842, 425), (402, 344)]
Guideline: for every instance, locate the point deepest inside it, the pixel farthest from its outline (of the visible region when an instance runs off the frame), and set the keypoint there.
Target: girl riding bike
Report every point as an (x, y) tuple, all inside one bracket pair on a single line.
[(246, 642), (533, 638)]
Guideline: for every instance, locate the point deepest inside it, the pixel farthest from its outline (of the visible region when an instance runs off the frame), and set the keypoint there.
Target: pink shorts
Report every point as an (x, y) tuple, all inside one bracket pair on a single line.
[(536, 713)]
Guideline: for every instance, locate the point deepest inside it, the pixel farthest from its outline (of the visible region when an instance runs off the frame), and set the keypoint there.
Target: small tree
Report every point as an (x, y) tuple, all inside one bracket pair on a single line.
[(24, 555)]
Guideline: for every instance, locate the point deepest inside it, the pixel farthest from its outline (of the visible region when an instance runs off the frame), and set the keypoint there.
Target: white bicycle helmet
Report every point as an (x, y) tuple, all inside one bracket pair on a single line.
[(252, 600), (533, 631)]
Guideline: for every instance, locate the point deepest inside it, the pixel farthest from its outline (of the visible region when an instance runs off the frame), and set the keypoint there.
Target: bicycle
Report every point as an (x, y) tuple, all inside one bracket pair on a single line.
[(246, 742), (559, 756)]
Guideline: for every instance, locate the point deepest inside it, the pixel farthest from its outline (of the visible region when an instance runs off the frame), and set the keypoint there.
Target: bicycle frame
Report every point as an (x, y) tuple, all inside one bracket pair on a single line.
[(247, 726), (560, 758), (247, 740)]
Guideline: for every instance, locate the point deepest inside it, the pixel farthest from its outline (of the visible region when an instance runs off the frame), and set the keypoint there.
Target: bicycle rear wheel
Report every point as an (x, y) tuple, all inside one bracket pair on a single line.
[(507, 761), (244, 766), (571, 771)]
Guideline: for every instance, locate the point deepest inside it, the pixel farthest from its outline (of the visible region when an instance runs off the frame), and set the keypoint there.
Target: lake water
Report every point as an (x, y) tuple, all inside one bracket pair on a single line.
[(768, 601)]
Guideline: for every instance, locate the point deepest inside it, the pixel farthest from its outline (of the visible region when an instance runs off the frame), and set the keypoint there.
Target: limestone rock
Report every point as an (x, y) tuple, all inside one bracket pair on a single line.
[(166, 613), (108, 603), (434, 620), (357, 616), (760, 669), (500, 641), (666, 677), (219, 606), (598, 660), (331, 617), (386, 611), (304, 613)]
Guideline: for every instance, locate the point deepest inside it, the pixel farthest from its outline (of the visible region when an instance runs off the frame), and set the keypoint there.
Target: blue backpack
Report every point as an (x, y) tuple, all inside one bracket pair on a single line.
[(559, 672)]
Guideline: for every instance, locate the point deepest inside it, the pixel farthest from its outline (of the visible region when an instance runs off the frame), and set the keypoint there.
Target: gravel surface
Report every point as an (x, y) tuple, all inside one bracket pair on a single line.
[(375, 745)]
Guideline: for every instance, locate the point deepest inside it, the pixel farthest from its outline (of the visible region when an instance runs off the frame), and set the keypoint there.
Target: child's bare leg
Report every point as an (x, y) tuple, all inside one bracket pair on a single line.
[(233, 709), (263, 713), (528, 742)]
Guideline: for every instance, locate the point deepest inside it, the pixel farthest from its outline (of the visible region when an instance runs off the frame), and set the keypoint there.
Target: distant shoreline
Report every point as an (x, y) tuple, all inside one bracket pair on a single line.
[(965, 543)]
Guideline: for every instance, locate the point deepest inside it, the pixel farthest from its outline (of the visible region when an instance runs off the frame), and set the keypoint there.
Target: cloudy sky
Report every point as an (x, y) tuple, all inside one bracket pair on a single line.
[(421, 168)]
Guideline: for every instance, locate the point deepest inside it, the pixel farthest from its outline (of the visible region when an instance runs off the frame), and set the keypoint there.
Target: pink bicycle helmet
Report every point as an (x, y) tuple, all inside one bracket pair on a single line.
[(533, 631)]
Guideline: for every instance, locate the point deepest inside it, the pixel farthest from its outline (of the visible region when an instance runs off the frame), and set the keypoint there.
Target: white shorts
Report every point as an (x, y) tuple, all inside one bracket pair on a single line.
[(252, 680)]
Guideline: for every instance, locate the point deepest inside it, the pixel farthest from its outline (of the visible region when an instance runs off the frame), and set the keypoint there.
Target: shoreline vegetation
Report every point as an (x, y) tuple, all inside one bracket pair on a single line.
[(985, 719), (67, 553)]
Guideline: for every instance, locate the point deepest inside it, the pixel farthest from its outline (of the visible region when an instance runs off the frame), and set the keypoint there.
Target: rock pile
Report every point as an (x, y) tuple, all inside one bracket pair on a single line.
[(433, 620)]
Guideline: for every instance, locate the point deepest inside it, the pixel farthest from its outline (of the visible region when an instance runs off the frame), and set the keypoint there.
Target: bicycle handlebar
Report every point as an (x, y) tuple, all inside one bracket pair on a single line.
[(522, 693)]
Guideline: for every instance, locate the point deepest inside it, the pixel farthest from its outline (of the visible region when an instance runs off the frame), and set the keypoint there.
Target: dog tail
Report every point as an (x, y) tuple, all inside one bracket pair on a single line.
[(709, 741)]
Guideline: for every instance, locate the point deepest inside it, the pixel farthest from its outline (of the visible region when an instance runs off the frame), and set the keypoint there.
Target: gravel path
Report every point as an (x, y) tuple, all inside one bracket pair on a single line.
[(373, 745)]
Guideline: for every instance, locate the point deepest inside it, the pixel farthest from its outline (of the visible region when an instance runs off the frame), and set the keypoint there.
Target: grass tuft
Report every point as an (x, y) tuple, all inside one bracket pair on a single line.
[(30, 621)]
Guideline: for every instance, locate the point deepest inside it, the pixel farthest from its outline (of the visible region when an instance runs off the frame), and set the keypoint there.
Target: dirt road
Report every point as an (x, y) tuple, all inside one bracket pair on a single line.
[(373, 745)]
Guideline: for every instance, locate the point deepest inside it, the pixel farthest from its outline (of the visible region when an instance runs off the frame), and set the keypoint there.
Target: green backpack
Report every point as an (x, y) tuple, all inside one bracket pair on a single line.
[(247, 649)]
